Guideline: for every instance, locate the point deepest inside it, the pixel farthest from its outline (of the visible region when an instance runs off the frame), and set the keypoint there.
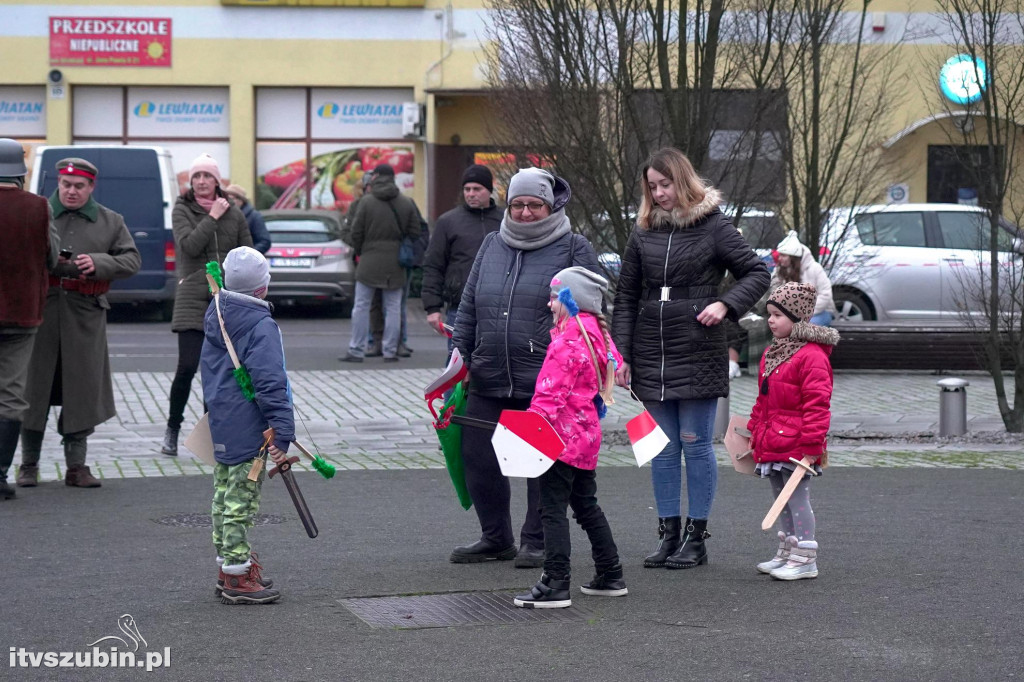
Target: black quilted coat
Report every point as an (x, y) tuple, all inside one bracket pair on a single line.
[(503, 325), (671, 355)]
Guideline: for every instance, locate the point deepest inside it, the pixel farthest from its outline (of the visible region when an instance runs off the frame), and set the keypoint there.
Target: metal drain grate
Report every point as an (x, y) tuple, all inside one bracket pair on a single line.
[(449, 610), (204, 521)]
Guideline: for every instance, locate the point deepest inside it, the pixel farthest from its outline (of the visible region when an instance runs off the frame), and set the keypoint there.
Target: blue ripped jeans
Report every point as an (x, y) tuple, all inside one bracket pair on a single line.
[(688, 425)]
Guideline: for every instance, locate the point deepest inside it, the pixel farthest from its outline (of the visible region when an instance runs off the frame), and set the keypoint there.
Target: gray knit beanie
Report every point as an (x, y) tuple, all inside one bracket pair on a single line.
[(579, 288), (246, 271), (532, 182)]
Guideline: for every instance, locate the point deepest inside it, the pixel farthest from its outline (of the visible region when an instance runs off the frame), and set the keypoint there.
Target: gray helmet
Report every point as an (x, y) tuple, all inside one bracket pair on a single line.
[(12, 159)]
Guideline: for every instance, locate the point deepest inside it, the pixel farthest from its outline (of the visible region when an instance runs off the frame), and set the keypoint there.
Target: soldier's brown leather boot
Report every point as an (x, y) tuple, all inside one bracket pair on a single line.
[(81, 477), (28, 476)]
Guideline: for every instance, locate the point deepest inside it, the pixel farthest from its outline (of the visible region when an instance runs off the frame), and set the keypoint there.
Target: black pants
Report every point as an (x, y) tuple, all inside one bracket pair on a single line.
[(490, 490), (563, 485), (190, 346)]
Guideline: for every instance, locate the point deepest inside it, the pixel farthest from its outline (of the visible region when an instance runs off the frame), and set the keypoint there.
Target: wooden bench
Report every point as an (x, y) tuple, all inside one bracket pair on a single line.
[(880, 345)]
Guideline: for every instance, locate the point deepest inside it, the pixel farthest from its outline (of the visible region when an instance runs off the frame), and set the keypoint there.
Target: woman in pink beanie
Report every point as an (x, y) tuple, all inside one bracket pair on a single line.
[(206, 226)]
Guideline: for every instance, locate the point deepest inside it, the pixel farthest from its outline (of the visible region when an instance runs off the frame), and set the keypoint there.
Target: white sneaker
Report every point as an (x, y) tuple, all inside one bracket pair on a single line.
[(780, 558), (802, 563), (734, 369)]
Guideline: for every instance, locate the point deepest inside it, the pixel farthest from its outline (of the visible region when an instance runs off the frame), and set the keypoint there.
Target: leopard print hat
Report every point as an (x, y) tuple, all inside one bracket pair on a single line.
[(795, 300)]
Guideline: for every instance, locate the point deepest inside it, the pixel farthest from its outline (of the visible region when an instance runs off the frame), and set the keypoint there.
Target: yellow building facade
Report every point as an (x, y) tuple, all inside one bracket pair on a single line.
[(297, 98)]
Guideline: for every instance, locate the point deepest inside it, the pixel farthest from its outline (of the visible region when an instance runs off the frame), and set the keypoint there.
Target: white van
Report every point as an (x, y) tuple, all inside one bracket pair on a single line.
[(139, 183)]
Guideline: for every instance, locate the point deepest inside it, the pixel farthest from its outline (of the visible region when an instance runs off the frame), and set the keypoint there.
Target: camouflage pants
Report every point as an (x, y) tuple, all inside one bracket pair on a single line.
[(236, 500)]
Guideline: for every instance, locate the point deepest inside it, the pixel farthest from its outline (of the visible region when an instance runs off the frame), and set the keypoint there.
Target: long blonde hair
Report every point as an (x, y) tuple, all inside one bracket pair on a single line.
[(673, 164)]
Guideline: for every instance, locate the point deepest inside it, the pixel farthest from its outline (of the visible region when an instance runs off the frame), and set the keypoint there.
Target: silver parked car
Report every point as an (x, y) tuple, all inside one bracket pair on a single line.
[(309, 263), (912, 261)]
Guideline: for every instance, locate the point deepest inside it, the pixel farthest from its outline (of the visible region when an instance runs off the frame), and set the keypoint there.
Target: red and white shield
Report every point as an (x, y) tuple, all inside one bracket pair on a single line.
[(525, 443)]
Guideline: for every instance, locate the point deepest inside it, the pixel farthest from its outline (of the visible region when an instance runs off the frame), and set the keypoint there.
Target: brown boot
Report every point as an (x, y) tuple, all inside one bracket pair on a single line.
[(246, 588), (81, 477), (266, 582), (28, 476)]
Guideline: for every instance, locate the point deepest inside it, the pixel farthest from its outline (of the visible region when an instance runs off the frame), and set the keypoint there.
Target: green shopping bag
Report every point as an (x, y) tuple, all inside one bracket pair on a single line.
[(451, 444)]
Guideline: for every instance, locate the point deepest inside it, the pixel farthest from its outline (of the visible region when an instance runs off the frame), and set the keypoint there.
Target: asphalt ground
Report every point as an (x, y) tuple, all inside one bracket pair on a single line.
[(920, 580)]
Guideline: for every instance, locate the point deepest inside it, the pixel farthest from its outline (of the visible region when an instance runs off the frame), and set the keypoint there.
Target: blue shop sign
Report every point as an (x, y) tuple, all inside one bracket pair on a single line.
[(963, 78)]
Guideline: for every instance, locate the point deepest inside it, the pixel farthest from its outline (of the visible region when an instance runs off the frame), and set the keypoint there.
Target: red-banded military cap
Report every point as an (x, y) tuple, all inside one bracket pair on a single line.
[(76, 166)]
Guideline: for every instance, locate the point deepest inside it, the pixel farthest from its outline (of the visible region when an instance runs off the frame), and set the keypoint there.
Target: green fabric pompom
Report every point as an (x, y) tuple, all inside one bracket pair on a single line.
[(321, 466), (245, 383), (213, 269)]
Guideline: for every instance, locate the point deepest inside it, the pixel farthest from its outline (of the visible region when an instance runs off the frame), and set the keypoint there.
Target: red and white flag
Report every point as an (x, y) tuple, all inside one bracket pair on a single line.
[(646, 436), (525, 443)]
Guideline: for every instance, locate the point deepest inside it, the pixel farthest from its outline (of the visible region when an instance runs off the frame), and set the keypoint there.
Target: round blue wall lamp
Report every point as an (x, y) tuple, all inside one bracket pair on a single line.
[(963, 78)]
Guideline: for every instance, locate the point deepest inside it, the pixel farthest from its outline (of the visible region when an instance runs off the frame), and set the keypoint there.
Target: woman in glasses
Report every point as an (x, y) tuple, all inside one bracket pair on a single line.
[(502, 331)]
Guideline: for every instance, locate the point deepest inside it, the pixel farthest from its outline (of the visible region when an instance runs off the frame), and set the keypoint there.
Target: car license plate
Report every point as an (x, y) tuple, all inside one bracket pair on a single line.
[(291, 262)]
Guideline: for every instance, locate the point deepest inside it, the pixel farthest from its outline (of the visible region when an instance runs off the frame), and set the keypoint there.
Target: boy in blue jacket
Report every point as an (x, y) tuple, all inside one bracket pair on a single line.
[(237, 423)]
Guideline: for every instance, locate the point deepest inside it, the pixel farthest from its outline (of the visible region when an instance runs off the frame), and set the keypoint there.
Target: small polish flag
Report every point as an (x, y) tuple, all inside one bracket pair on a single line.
[(646, 436), (525, 443)]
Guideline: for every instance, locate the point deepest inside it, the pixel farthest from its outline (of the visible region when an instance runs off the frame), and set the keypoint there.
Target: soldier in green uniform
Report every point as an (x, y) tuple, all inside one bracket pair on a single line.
[(70, 365)]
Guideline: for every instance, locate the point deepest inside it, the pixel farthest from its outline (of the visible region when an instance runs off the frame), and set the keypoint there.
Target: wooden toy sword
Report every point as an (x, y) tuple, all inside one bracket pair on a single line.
[(787, 491), (285, 469)]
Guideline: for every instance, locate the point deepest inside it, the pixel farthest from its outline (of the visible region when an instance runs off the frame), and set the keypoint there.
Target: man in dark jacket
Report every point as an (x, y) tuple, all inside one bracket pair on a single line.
[(257, 228), (383, 219), (453, 245), (30, 249), (70, 365)]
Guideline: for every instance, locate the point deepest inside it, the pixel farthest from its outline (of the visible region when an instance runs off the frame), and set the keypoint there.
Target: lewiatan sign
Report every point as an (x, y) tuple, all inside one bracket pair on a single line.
[(178, 112)]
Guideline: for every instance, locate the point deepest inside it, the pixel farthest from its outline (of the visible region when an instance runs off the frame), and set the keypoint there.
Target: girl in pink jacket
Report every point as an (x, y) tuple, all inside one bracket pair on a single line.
[(790, 420), (572, 387)]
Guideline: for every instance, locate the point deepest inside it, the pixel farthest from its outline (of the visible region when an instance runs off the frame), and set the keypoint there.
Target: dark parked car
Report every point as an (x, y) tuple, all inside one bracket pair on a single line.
[(309, 263)]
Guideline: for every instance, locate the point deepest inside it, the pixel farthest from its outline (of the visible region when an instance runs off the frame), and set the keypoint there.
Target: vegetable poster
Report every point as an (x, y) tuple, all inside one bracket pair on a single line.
[(330, 180)]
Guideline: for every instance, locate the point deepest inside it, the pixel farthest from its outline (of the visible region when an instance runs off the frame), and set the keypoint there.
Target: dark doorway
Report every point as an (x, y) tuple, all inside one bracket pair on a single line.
[(958, 173)]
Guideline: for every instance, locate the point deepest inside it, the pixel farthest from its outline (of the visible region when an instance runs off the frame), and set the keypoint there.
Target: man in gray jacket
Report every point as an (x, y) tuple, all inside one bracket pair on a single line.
[(383, 219)]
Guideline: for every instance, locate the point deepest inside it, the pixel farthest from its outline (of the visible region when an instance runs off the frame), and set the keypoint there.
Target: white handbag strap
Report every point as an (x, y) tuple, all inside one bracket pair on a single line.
[(224, 333)]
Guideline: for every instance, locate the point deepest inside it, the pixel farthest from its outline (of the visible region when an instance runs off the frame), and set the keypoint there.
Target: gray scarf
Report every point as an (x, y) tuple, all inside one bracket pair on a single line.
[(532, 236)]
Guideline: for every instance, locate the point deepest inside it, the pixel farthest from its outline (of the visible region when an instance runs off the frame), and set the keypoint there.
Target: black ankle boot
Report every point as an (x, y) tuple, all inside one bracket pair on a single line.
[(668, 531), (170, 446), (548, 593), (692, 551)]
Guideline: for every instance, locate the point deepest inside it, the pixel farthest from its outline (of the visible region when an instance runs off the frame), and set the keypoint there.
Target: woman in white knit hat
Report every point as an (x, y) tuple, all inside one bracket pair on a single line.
[(796, 264), (206, 226)]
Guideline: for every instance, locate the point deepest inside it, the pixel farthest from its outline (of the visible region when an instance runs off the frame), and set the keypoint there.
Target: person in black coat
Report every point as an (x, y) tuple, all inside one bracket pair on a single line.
[(502, 332), (454, 243), (668, 310)]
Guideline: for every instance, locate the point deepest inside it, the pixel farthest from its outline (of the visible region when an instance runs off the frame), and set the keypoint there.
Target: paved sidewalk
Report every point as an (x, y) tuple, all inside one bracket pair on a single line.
[(376, 419)]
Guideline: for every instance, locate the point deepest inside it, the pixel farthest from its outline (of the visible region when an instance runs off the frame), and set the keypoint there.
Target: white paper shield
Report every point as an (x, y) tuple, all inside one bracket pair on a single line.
[(525, 443), (200, 441)]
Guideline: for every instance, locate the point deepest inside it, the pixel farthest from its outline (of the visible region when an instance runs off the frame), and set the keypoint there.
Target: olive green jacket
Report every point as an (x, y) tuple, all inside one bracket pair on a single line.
[(199, 239)]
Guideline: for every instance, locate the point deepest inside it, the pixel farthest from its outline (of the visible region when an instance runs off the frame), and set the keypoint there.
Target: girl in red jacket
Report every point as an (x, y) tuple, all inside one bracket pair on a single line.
[(576, 378), (791, 418)]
